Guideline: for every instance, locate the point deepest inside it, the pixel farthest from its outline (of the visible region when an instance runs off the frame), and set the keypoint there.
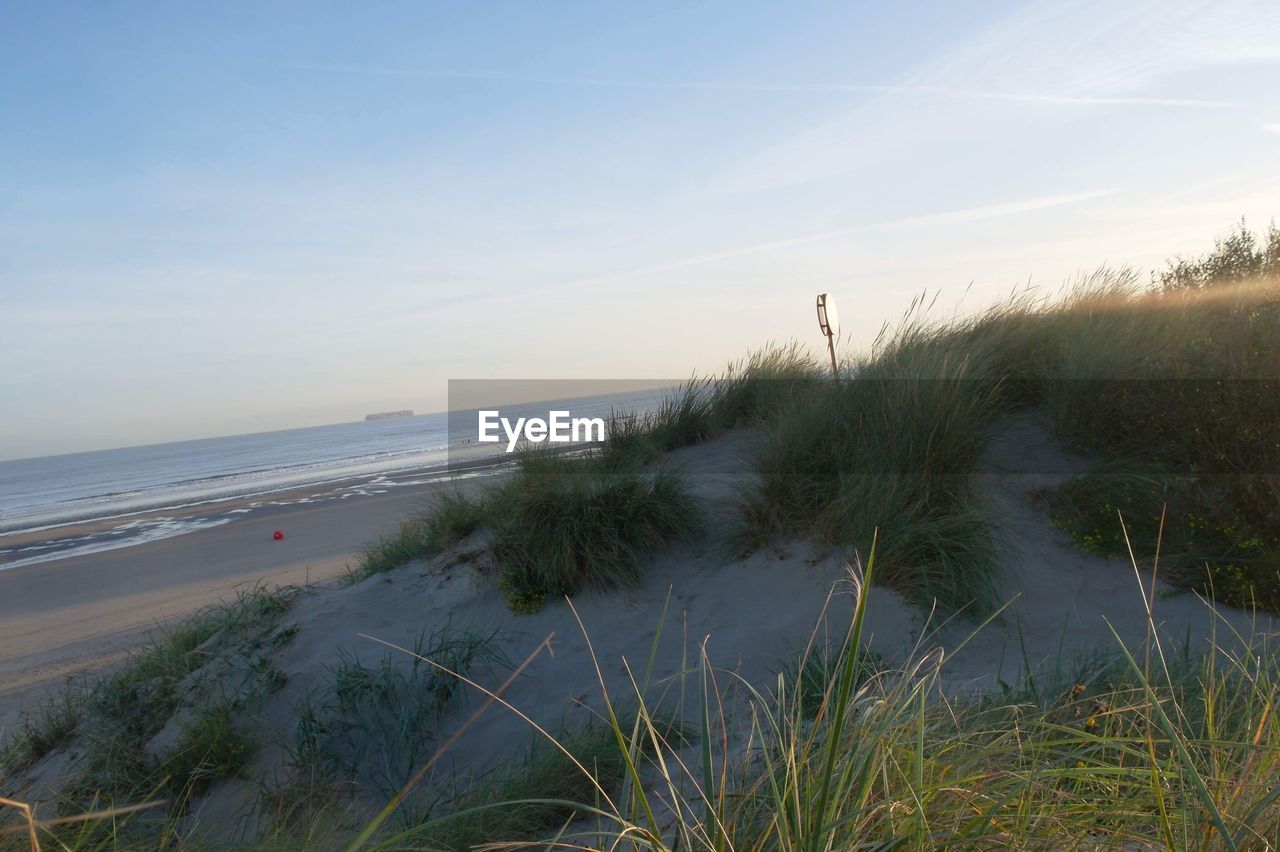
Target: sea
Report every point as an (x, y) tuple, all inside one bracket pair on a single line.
[(109, 499)]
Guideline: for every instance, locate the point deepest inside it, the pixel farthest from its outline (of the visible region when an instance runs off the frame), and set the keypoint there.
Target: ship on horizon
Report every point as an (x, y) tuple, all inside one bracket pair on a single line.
[(385, 415)]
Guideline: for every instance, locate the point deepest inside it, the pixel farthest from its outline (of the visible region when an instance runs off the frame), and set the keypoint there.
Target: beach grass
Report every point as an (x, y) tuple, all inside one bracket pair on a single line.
[(1141, 747), (450, 518), (1174, 396), (1172, 391), (561, 526), (1176, 383), (154, 731), (704, 408), (215, 745), (565, 522), (1167, 391), (46, 727), (369, 727), (556, 526)]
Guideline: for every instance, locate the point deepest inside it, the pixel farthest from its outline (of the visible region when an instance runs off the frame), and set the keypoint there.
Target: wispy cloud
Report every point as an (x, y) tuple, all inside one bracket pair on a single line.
[(968, 214), (1088, 60), (72, 317), (1106, 49), (927, 91), (1273, 127)]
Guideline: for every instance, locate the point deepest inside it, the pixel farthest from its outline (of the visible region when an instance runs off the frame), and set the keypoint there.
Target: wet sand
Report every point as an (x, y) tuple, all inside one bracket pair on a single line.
[(63, 619)]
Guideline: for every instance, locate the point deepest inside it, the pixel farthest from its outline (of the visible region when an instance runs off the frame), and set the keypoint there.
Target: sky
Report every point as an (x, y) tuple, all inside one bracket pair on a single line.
[(219, 218)]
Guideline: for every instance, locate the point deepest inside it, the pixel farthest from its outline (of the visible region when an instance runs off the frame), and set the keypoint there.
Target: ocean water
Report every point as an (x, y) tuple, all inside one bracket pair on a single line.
[(85, 486), (125, 493)]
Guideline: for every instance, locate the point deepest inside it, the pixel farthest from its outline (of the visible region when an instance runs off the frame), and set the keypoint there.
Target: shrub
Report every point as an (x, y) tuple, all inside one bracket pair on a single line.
[(1236, 257)]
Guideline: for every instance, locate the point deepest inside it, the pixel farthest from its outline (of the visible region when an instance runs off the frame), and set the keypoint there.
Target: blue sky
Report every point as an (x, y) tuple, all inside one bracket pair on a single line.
[(233, 217)]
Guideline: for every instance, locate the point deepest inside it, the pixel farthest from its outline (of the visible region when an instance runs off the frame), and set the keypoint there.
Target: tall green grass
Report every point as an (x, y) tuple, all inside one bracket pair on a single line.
[(529, 801), (1144, 747), (560, 526), (556, 526), (1177, 385), (566, 522), (892, 451), (1149, 748), (703, 408), (1176, 394), (450, 518), (1174, 391)]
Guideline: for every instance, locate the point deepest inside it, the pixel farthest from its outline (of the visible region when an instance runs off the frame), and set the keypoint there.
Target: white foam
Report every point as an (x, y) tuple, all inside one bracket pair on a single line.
[(151, 529)]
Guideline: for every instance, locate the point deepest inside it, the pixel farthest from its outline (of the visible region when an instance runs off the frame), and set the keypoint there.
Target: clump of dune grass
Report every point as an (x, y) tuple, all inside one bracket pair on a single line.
[(809, 676), (1174, 393), (1122, 506), (369, 727), (214, 746), (558, 525), (110, 724), (561, 526), (703, 408), (564, 522), (893, 444), (449, 519), (40, 731), (1176, 387)]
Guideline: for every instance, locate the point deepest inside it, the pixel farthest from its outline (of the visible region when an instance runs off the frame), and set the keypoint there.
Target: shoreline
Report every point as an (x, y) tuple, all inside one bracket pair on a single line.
[(70, 617), (21, 548)]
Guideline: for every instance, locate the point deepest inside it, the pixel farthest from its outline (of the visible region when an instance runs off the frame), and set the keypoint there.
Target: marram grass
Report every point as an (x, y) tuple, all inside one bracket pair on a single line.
[(1148, 748)]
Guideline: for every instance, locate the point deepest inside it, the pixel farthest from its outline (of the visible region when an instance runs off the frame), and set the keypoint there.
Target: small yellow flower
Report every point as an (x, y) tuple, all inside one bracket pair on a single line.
[(1079, 764), (1091, 722), (1078, 689)]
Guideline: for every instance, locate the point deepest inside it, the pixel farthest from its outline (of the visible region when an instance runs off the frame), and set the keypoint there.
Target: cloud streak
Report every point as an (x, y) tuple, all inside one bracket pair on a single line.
[(949, 92), (968, 214)]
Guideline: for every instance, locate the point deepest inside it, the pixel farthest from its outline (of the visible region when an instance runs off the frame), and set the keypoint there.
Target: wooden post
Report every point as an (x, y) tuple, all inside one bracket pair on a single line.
[(829, 324)]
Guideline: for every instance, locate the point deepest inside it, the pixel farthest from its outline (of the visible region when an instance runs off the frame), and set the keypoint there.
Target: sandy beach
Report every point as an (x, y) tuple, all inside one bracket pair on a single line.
[(62, 619)]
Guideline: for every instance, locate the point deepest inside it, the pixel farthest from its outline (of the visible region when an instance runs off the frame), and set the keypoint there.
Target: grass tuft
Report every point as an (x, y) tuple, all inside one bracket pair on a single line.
[(451, 518), (560, 527), (370, 727), (116, 728)]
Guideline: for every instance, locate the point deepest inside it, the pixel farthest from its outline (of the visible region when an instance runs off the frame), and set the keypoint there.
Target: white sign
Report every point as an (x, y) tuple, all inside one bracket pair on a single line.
[(828, 316)]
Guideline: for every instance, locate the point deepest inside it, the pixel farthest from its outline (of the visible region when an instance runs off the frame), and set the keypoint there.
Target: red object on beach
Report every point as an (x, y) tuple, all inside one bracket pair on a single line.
[(278, 535)]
